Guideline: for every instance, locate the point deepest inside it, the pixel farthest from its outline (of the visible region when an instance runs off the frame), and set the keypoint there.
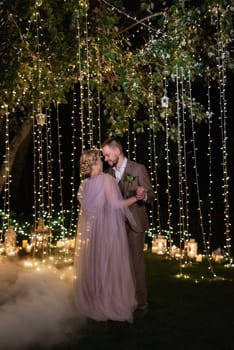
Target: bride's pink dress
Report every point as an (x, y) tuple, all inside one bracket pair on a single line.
[(104, 286)]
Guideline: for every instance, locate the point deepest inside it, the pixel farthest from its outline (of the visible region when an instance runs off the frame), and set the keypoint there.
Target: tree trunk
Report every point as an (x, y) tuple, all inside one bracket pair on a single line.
[(15, 144)]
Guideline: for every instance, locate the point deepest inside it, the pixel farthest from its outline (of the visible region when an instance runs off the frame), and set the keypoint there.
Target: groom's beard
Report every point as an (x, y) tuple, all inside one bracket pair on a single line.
[(113, 163)]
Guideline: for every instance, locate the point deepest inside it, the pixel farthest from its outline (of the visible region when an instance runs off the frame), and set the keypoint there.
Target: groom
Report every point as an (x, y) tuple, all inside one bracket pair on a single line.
[(133, 179)]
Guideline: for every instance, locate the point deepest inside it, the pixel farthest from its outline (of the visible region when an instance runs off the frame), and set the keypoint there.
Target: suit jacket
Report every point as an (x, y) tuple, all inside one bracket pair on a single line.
[(136, 174)]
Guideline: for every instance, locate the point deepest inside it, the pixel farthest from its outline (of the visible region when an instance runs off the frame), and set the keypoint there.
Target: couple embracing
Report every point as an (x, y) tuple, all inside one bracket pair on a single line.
[(109, 268)]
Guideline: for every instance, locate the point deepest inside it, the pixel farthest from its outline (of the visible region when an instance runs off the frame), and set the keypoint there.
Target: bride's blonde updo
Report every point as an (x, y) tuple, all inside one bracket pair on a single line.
[(87, 159)]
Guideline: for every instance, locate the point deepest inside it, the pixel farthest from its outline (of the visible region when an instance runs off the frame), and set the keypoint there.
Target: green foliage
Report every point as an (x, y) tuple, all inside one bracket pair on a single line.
[(50, 46)]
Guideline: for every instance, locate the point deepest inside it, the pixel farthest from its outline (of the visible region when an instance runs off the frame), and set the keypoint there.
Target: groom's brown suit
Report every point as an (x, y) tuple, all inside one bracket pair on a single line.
[(135, 174)]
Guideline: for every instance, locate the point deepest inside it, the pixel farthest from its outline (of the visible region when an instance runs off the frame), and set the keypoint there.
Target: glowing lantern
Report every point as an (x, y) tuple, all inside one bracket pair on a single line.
[(159, 244), (10, 242), (192, 248), (40, 238)]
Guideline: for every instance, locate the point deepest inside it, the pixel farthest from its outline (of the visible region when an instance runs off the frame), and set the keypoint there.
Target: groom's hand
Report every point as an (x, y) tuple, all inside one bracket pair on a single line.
[(140, 193)]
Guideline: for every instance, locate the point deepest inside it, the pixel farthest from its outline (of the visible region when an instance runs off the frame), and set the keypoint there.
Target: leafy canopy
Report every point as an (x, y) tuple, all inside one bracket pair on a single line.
[(118, 55)]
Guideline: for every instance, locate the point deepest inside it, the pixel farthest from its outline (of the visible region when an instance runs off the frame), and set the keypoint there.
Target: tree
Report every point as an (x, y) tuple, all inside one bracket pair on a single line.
[(119, 64)]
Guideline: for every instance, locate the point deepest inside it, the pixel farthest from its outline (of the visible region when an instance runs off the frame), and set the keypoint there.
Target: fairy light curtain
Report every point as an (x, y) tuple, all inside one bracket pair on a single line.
[(88, 132), (89, 100), (184, 84)]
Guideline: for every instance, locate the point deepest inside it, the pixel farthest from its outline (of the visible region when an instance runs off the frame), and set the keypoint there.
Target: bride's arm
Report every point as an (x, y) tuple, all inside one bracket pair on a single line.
[(127, 202), (114, 195), (80, 192)]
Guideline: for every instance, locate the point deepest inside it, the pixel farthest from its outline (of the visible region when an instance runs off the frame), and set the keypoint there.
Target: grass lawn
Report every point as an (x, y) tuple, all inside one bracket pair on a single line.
[(185, 313)]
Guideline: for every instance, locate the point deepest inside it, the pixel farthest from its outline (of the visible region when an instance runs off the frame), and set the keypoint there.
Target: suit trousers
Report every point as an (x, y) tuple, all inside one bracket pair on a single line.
[(136, 246)]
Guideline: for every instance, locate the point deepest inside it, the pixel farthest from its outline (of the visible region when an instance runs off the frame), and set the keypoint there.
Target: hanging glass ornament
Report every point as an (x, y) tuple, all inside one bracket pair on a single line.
[(164, 101), (41, 118)]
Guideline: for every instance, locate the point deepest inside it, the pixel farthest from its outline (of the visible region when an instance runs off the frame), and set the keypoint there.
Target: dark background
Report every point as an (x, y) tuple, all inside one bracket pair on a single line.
[(22, 200)]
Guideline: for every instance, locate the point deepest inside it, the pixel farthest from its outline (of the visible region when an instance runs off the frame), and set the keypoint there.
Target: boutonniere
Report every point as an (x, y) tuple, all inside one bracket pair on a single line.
[(129, 178)]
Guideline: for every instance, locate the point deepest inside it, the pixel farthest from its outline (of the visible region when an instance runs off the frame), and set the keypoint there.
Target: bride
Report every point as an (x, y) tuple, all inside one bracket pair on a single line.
[(104, 285)]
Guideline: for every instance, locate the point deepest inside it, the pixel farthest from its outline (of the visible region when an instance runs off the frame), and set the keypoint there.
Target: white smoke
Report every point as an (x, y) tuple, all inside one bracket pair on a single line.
[(35, 305)]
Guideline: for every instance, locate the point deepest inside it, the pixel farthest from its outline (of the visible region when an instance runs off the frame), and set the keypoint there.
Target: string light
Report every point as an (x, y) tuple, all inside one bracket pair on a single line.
[(87, 135), (209, 154), (179, 153), (221, 55), (128, 150), (39, 123), (167, 159), (40, 143), (49, 178), (41, 234), (153, 159), (99, 82), (87, 73), (81, 82), (73, 216), (60, 186), (184, 159), (7, 175), (197, 175), (193, 140), (134, 139), (35, 171)]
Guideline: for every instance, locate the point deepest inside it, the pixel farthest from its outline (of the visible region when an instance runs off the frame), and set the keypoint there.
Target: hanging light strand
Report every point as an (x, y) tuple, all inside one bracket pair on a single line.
[(41, 170), (209, 154), (133, 132), (197, 175), (39, 128), (38, 27), (81, 83), (49, 167), (38, 170), (195, 165), (155, 218), (184, 159), (7, 175), (35, 172), (223, 127), (99, 82), (73, 216), (167, 159), (60, 186), (179, 152), (88, 92), (128, 150)]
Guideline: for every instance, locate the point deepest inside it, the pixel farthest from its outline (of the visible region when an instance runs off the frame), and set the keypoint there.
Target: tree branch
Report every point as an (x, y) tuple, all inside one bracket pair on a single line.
[(140, 21), (25, 129)]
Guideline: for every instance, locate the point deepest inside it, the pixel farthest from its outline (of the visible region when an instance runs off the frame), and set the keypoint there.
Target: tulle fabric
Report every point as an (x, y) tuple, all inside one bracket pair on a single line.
[(104, 286)]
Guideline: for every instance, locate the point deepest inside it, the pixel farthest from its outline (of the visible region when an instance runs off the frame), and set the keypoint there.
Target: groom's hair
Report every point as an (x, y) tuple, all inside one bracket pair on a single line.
[(113, 142)]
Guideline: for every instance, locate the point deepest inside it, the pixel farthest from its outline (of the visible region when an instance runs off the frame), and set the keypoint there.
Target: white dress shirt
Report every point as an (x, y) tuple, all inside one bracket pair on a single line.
[(120, 170)]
